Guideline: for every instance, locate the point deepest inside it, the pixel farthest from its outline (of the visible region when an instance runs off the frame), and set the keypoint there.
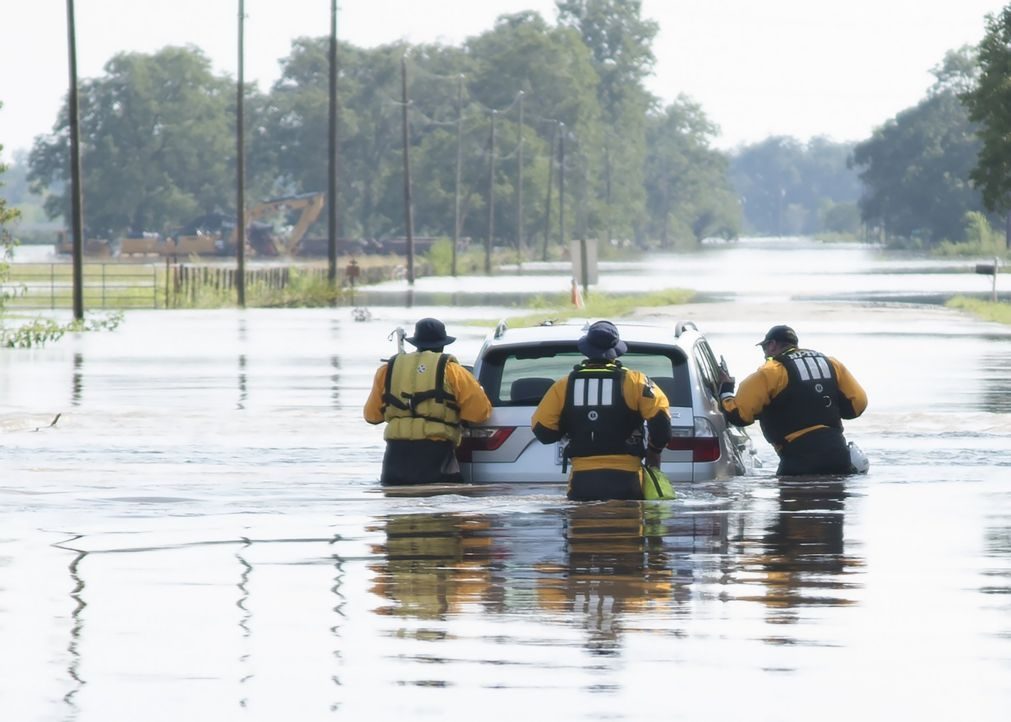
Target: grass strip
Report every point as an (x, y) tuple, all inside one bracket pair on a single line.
[(987, 310)]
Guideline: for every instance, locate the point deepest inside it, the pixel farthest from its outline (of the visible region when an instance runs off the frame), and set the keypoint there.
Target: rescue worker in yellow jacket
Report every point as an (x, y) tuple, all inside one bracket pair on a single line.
[(600, 407), (423, 397), (799, 398)]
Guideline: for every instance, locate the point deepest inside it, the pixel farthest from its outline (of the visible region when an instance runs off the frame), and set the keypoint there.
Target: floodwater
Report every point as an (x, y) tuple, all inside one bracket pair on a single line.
[(200, 535)]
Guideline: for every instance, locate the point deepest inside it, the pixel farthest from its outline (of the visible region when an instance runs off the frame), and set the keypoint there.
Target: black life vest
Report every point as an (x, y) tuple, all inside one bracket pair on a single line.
[(595, 417), (811, 396), (418, 403)]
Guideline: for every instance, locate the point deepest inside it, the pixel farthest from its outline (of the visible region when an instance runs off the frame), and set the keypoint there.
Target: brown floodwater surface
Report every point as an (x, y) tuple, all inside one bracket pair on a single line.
[(201, 535)]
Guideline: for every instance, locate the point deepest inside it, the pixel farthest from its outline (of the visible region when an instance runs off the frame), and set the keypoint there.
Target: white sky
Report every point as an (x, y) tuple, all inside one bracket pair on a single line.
[(758, 67)]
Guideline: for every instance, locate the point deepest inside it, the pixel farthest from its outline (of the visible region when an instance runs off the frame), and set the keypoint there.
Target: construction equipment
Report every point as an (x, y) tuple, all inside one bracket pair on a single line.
[(260, 235)]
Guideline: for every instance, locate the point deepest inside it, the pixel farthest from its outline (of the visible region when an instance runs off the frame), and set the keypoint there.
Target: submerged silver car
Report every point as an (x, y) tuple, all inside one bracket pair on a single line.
[(517, 366)]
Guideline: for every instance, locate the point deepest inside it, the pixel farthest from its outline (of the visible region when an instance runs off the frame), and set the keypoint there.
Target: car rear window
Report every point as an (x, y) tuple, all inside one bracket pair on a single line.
[(521, 376)]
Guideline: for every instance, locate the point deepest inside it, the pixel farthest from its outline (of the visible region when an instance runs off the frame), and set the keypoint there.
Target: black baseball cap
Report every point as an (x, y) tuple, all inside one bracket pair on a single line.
[(781, 333)]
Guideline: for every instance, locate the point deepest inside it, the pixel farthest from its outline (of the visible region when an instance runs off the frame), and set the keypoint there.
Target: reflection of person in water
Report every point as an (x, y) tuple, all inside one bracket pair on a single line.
[(805, 561), (615, 563), (433, 564)]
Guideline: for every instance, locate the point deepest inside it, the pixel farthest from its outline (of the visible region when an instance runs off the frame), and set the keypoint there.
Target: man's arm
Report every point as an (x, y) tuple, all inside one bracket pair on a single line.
[(854, 398), (373, 411), (653, 406), (475, 406), (753, 395), (548, 415)]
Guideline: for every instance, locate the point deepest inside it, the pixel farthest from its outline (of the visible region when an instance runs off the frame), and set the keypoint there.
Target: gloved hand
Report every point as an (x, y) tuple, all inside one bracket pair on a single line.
[(653, 457), (726, 381)]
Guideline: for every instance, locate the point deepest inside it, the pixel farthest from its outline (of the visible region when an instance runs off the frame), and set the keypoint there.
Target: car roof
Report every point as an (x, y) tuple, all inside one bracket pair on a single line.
[(681, 333)]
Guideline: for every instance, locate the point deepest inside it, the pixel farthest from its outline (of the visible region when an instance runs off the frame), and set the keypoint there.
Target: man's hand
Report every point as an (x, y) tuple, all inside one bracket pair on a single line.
[(653, 457), (726, 381)]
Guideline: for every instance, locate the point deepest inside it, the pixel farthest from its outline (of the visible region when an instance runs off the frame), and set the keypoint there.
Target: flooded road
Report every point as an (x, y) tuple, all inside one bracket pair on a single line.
[(201, 536)]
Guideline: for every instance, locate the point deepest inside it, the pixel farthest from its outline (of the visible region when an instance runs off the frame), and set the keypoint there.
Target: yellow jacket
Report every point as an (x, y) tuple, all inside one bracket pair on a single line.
[(760, 388)]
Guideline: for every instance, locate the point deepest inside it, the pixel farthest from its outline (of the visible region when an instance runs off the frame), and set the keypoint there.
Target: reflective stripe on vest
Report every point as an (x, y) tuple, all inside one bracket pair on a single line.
[(419, 402)]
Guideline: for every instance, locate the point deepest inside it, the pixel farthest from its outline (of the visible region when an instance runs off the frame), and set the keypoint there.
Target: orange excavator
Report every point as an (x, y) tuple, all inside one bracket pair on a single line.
[(263, 237), (268, 230)]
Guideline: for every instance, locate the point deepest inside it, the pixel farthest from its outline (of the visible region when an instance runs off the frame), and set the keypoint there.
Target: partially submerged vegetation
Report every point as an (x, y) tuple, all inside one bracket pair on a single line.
[(559, 307), (998, 311)]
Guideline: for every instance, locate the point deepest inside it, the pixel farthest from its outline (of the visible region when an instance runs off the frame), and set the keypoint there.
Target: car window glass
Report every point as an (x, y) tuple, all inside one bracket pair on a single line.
[(520, 377), (707, 367)]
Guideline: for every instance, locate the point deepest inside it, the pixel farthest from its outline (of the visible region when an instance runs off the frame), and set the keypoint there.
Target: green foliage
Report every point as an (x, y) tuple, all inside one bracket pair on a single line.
[(157, 140), (469, 260), (785, 185), (688, 190), (569, 103), (7, 216), (988, 100), (841, 218), (620, 41), (558, 307), (40, 331), (980, 239), (986, 310), (916, 167)]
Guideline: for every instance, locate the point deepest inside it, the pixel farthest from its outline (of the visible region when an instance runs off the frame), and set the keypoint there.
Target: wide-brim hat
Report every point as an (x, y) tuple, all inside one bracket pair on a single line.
[(601, 342), (430, 333), (781, 333)]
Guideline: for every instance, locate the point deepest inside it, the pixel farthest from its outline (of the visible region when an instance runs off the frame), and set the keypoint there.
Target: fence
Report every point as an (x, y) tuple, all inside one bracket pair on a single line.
[(112, 285), (189, 282), (36, 286)]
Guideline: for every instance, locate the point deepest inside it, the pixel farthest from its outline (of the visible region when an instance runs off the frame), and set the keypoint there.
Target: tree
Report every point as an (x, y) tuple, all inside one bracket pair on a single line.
[(988, 100), (916, 167), (621, 43), (7, 216), (157, 144), (554, 70), (688, 195), (786, 185)]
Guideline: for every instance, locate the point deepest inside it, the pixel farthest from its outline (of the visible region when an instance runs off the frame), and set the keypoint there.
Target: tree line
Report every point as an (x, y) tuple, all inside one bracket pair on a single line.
[(556, 112), (526, 133)]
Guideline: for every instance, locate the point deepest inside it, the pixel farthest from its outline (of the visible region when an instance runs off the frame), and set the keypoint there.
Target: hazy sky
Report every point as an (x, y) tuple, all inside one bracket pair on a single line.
[(757, 67)]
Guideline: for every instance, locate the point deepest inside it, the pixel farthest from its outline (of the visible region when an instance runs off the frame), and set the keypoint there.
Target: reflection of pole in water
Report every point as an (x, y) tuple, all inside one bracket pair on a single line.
[(335, 381), (243, 392), (77, 380), (244, 620), (77, 626), (335, 630)]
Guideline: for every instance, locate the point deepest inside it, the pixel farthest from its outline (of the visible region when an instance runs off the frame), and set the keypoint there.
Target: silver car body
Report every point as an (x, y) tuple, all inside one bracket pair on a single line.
[(517, 366)]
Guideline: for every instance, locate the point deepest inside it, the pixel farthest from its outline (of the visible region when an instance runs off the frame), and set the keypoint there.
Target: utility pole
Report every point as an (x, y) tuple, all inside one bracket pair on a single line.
[(408, 203), (77, 219), (519, 190), (491, 197), (551, 182), (561, 183), (331, 202), (240, 171), (459, 171)]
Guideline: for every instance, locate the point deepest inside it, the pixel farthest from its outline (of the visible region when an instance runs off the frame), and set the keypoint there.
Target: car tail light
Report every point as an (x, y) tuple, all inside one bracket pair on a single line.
[(701, 440), (486, 438)]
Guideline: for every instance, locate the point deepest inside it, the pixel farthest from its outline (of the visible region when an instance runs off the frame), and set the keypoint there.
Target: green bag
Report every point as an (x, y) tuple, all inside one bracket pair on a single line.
[(655, 484)]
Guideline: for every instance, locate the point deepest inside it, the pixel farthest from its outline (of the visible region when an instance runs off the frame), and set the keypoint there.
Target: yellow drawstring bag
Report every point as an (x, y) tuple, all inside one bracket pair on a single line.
[(655, 484)]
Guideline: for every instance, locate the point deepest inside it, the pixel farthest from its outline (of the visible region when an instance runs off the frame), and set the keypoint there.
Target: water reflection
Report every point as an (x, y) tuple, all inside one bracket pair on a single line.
[(76, 628), (997, 382), (804, 561), (243, 390), (77, 380), (335, 381), (615, 564), (433, 564)]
